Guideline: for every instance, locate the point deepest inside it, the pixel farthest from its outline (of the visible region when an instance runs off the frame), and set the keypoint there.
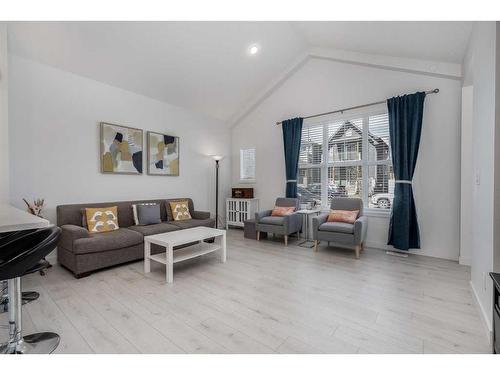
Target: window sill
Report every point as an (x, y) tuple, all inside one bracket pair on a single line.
[(247, 181)]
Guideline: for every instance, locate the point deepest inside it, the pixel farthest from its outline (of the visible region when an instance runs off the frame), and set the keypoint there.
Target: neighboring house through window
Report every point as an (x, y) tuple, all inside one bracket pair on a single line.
[(347, 157)]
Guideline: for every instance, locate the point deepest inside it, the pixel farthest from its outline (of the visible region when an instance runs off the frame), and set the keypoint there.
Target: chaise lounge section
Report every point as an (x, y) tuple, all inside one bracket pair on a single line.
[(83, 252)]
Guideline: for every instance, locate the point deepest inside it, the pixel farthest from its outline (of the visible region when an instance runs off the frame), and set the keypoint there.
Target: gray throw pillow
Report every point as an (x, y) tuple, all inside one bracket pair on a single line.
[(134, 211), (148, 214)]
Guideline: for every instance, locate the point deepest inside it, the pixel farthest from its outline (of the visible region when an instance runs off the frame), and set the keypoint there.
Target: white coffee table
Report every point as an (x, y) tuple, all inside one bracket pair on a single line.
[(182, 237)]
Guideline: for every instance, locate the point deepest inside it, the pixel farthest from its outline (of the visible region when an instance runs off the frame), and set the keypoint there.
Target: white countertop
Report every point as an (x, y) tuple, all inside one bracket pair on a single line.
[(12, 219)]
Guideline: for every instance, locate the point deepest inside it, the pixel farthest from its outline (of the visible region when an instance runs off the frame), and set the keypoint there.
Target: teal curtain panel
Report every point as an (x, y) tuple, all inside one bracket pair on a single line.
[(292, 132), (405, 126)]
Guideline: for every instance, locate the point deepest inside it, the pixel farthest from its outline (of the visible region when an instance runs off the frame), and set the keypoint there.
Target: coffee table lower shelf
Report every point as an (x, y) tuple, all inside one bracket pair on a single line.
[(186, 253), (169, 240)]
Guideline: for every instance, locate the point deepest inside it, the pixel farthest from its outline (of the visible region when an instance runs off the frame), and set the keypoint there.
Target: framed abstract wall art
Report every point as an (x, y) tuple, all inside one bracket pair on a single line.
[(121, 149), (163, 154)]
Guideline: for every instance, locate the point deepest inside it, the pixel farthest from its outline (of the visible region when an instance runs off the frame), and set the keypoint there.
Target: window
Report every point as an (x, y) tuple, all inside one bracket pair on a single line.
[(347, 157), (247, 165), (310, 157)]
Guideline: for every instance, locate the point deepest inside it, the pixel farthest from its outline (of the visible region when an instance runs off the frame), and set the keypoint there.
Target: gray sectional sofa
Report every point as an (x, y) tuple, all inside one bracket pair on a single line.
[(83, 252)]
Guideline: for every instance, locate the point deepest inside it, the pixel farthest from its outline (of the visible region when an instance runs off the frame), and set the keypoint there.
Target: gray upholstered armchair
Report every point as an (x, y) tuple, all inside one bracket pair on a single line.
[(284, 225), (342, 233)]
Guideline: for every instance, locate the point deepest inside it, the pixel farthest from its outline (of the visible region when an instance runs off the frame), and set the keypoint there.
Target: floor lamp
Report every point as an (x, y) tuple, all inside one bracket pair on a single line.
[(217, 158)]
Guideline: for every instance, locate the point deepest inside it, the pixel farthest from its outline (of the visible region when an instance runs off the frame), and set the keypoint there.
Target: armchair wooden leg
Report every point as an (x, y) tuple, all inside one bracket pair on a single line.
[(315, 245), (358, 248), (286, 240), (258, 235), (362, 247)]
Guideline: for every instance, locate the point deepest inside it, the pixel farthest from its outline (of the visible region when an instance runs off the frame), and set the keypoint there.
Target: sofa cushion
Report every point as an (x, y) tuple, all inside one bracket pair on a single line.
[(134, 210), (170, 216), (98, 242), (191, 223), (71, 213), (337, 227), (343, 216), (282, 211), (180, 210), (272, 220), (148, 214), (102, 219), (149, 230)]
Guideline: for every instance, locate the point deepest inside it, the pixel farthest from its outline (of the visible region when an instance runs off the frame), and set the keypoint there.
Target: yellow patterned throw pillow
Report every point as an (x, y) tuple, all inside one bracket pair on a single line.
[(180, 210), (102, 219)]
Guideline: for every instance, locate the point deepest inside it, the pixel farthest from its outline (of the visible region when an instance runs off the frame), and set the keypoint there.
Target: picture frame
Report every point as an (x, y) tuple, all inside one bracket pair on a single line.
[(163, 154), (121, 149)]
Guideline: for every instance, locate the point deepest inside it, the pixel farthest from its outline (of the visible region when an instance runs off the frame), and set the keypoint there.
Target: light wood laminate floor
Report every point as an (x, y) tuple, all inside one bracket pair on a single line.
[(267, 298)]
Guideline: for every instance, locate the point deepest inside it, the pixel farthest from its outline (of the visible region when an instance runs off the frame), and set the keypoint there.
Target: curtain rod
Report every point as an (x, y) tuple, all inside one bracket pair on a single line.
[(435, 91)]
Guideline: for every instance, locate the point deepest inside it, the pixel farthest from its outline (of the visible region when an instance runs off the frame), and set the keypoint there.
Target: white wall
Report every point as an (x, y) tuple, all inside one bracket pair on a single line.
[(321, 85), (479, 71), (466, 176), (496, 230), (54, 141), (4, 118)]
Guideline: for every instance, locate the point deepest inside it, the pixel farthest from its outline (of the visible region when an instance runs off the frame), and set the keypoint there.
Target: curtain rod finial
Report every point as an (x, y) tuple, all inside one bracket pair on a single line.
[(435, 91)]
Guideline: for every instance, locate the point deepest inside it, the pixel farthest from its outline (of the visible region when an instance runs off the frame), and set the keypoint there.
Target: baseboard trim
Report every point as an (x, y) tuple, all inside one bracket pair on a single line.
[(385, 247), (465, 261), (482, 313), (397, 254), (377, 245)]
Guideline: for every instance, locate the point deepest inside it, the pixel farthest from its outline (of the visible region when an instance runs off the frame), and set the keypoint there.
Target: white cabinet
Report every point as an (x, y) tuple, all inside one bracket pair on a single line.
[(240, 209)]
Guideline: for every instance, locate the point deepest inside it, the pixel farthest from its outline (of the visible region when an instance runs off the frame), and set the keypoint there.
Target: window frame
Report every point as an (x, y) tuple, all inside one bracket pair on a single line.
[(248, 180), (365, 163)]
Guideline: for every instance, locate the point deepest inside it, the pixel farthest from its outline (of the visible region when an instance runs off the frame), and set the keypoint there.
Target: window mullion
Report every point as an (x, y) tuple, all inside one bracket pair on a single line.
[(353, 163), (379, 162), (324, 169), (364, 158)]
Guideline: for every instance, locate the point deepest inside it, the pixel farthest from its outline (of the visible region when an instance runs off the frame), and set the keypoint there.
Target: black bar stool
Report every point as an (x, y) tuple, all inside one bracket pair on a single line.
[(5, 240), (22, 256)]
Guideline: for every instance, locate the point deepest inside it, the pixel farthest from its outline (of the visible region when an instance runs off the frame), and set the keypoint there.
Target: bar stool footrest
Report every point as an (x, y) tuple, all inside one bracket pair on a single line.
[(36, 343)]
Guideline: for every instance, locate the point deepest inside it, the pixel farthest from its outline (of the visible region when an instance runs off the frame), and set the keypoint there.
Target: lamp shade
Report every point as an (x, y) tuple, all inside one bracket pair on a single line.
[(217, 157)]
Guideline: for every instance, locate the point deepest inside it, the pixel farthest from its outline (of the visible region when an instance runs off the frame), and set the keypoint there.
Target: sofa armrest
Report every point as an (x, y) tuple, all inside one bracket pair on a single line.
[(316, 222), (292, 223), (261, 214), (360, 228), (200, 215), (70, 233)]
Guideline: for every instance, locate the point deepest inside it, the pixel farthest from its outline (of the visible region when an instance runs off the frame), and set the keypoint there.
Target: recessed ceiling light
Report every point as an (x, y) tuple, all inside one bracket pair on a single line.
[(253, 49)]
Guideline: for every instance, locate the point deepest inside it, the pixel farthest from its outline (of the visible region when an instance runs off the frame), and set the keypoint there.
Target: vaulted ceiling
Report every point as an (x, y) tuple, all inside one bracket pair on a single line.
[(440, 41), (205, 66)]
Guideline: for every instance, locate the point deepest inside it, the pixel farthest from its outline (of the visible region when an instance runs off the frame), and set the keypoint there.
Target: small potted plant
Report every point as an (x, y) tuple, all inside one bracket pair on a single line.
[(36, 207)]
